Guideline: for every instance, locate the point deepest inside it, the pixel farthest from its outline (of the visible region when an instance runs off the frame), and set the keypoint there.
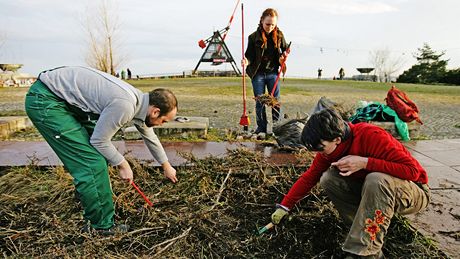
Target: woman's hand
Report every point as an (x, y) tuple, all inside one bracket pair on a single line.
[(282, 59), (244, 62)]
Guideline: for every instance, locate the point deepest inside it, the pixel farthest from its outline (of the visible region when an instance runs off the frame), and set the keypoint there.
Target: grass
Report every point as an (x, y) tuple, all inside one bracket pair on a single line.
[(290, 85), (12, 113), (189, 89), (212, 86), (209, 86), (376, 86)]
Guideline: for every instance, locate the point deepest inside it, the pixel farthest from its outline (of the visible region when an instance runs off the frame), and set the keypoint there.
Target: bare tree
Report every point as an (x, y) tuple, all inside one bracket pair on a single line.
[(385, 64), (103, 32), (2, 41)]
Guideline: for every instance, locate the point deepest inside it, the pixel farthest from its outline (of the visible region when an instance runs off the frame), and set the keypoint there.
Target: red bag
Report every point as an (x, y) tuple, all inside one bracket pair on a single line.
[(405, 108)]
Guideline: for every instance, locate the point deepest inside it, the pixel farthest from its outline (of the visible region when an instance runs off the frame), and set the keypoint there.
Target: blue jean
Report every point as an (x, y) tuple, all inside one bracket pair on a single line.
[(259, 81)]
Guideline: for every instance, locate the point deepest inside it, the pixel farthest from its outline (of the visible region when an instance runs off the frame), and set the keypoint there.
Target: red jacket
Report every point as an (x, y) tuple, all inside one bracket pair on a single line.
[(385, 153)]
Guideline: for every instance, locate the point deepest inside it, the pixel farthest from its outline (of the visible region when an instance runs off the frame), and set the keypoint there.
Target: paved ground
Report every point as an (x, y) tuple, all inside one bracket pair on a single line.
[(21, 153), (441, 220)]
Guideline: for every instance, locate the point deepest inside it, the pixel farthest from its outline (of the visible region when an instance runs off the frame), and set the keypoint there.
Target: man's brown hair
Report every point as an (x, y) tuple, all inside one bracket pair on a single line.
[(163, 99)]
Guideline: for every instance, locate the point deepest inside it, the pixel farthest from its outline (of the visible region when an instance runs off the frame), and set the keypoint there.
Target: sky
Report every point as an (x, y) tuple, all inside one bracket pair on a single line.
[(161, 37)]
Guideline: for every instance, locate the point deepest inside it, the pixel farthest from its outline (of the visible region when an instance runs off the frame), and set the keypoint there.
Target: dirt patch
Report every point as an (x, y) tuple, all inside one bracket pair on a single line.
[(213, 211)]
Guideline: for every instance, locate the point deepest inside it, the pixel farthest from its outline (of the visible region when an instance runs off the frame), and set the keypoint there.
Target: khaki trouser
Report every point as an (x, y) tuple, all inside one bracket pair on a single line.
[(369, 205)]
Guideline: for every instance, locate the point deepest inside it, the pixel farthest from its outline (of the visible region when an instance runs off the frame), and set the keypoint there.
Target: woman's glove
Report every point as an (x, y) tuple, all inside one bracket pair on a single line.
[(278, 215)]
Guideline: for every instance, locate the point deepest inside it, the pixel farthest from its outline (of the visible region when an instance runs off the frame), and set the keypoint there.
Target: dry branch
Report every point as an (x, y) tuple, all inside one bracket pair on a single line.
[(216, 201), (169, 242), (39, 216)]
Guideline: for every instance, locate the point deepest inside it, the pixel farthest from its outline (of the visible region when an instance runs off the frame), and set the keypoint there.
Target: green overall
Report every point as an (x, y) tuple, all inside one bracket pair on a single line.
[(68, 129)]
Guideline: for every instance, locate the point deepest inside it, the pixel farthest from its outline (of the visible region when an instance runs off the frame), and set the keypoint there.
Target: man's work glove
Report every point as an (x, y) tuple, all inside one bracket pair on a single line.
[(278, 215)]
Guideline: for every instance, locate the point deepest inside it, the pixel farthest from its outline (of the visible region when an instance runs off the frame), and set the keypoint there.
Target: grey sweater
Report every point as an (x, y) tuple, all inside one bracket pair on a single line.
[(116, 101)]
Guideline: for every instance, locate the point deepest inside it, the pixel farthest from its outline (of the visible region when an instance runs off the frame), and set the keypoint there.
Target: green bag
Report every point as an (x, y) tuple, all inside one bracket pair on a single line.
[(381, 112)]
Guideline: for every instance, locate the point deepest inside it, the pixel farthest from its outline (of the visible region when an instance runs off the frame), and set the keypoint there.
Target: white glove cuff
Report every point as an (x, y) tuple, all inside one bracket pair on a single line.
[(279, 206)]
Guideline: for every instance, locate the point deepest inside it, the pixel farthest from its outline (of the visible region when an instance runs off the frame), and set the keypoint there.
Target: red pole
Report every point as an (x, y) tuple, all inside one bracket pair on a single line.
[(142, 194), (281, 70), (244, 121), (242, 54)]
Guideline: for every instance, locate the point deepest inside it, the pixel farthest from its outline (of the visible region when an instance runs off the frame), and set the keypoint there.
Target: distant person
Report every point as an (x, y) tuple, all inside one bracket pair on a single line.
[(263, 57), (78, 110), (320, 71), (123, 74), (129, 73), (341, 73), (366, 173)]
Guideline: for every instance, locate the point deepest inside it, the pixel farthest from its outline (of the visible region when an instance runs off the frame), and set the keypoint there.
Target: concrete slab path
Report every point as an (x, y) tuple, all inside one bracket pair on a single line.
[(441, 220), (21, 153)]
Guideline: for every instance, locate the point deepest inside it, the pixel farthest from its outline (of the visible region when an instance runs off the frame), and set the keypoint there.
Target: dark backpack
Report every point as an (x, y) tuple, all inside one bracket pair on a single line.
[(405, 108)]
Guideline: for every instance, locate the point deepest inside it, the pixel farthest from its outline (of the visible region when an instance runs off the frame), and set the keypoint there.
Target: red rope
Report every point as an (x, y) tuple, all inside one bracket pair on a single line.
[(228, 26)]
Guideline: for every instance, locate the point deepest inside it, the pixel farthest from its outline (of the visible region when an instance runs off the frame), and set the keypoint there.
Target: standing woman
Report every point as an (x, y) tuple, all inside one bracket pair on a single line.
[(263, 57)]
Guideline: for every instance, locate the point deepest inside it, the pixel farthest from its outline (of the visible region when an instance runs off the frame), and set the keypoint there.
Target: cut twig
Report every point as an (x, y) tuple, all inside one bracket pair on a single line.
[(169, 242), (268, 100), (143, 230), (260, 205), (222, 187)]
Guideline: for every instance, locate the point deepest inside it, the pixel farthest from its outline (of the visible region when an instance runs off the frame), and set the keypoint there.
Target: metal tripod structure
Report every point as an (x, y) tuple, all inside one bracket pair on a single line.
[(217, 51)]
